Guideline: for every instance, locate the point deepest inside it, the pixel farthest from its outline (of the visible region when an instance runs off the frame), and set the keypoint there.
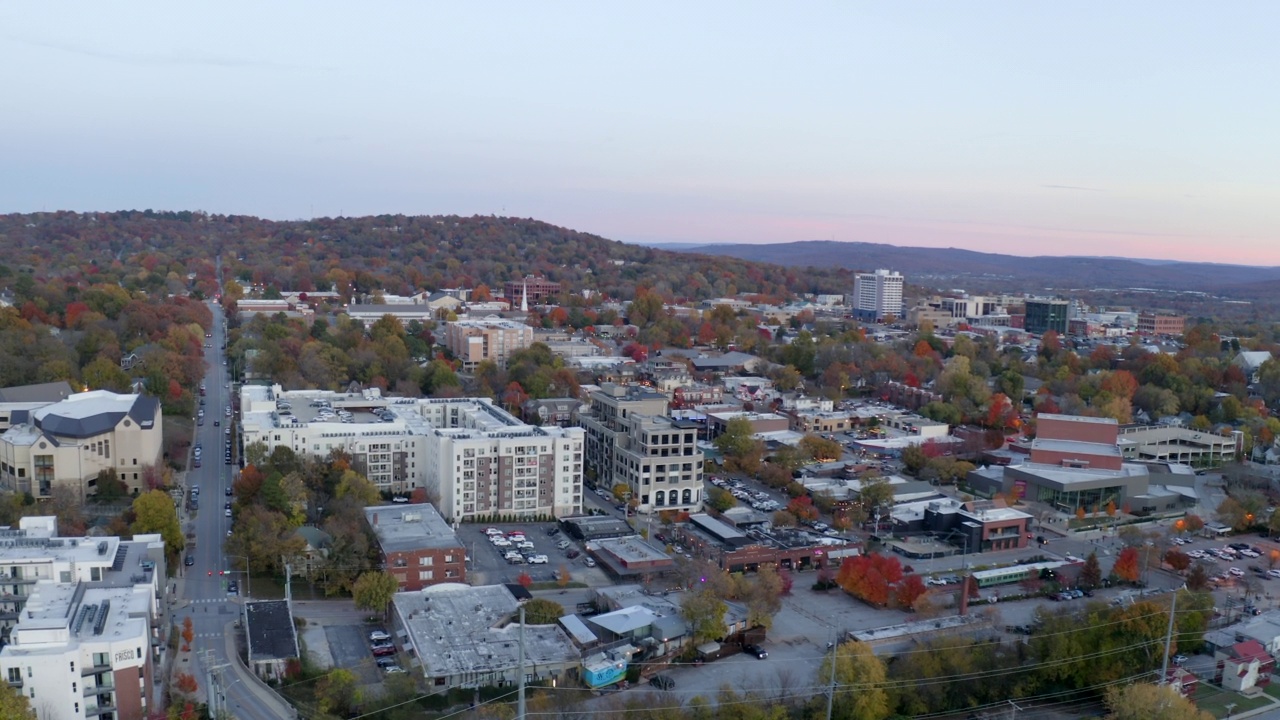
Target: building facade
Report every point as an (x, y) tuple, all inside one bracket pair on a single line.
[(1161, 324), (71, 441), (1045, 314), (877, 295), (631, 441), (418, 547), (491, 338), (479, 459), (530, 291)]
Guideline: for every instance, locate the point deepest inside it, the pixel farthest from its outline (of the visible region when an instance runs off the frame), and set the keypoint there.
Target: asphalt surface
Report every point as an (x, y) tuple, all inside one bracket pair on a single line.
[(349, 646), (204, 590)]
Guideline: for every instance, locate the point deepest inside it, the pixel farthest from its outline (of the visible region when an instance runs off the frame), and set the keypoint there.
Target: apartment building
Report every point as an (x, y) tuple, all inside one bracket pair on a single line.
[(631, 441), (659, 459), (70, 441), (33, 552), (418, 547), (480, 459), (601, 421), (877, 295), (83, 651), (490, 338)]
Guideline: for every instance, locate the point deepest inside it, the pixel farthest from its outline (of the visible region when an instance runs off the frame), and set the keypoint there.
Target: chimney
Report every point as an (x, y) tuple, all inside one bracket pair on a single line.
[(375, 518)]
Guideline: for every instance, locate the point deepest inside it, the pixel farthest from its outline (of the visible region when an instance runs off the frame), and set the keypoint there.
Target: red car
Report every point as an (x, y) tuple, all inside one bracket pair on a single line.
[(380, 650)]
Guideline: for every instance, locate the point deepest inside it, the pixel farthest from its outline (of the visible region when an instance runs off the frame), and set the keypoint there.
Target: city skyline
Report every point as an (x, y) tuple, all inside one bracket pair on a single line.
[(1137, 131)]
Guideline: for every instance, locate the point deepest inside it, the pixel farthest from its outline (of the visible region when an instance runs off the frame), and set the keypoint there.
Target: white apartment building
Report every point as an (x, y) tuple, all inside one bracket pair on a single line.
[(80, 652), (33, 553), (480, 459), (71, 441), (877, 295), (82, 620)]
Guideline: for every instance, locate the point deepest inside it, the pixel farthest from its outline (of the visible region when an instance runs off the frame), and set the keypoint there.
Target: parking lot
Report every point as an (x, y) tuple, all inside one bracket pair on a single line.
[(349, 647), (489, 563)]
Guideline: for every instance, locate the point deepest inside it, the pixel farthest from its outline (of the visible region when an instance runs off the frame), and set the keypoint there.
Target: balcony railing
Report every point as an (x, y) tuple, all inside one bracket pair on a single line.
[(94, 670)]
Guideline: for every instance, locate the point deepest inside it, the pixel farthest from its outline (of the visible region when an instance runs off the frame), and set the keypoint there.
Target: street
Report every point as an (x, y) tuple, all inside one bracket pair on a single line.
[(204, 589)]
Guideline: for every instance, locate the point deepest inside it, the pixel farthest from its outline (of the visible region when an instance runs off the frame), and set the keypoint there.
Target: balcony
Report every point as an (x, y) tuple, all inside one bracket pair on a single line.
[(16, 684), (94, 670), (107, 686), (93, 710)]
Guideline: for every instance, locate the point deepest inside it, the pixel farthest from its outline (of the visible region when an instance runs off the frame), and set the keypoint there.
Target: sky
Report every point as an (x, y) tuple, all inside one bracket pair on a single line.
[(1137, 129)]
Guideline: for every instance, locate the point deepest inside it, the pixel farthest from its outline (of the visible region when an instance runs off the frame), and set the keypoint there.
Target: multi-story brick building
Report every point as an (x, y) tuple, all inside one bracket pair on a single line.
[(491, 338), (1161, 324), (530, 291), (418, 547)]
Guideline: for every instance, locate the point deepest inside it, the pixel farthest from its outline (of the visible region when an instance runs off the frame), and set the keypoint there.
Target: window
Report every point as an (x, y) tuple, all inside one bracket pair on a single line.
[(15, 675), (426, 575), (448, 558), (426, 560)]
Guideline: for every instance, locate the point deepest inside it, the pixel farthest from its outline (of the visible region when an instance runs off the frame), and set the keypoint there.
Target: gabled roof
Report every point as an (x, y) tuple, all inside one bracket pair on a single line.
[(50, 392), (1248, 651)]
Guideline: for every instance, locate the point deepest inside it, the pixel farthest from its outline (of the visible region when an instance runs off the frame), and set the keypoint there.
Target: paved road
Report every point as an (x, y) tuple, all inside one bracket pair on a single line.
[(204, 590)]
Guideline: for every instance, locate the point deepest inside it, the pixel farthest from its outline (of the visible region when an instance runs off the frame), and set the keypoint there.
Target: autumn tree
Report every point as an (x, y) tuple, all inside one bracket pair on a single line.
[(185, 683), (338, 692), (540, 611), (1090, 572), (154, 513), (188, 633), (909, 592), (1198, 578), (860, 692), (870, 577), (704, 611), (374, 590), (1177, 560), (1128, 565), (13, 703), (1147, 701)]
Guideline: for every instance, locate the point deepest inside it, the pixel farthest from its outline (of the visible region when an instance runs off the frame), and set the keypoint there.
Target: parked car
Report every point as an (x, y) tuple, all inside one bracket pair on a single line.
[(379, 636), (572, 554), (756, 650), (553, 531), (563, 544), (383, 650), (662, 682), (589, 562), (189, 561)]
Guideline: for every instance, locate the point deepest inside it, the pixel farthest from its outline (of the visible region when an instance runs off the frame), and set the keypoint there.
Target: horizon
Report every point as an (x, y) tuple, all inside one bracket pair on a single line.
[(993, 127)]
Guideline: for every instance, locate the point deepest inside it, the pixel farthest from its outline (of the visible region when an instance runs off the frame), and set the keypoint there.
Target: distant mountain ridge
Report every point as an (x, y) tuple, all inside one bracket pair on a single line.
[(939, 266)]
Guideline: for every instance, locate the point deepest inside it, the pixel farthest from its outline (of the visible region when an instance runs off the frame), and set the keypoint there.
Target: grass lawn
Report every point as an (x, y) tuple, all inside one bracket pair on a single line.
[(1215, 700), (267, 587)]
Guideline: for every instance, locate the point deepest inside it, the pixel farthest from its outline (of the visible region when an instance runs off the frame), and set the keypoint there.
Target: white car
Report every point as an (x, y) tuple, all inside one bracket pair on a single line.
[(1273, 573), (538, 560), (492, 532), (524, 545), (501, 542), (1236, 572)]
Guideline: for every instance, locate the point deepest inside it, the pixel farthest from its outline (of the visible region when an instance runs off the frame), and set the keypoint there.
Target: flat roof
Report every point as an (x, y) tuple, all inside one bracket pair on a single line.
[(59, 615), (270, 629), (401, 528), (459, 629), (1078, 418), (624, 621), (1076, 446), (631, 549)]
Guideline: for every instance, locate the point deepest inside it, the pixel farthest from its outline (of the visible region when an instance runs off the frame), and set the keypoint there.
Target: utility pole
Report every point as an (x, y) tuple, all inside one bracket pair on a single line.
[(520, 670), (831, 688), (1168, 641)]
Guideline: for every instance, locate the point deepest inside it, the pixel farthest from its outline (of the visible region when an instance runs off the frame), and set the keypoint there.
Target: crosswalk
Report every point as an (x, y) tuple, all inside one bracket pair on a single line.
[(207, 600)]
